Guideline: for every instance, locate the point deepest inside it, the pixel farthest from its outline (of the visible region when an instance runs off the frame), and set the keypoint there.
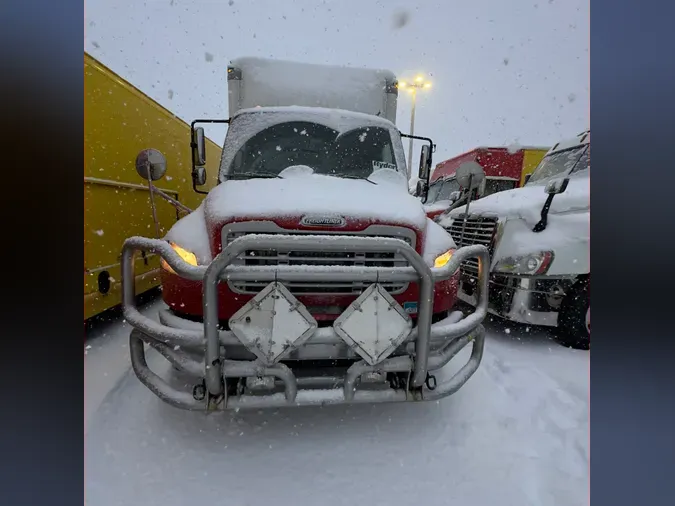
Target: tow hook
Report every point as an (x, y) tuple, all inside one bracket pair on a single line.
[(430, 381), (199, 391)]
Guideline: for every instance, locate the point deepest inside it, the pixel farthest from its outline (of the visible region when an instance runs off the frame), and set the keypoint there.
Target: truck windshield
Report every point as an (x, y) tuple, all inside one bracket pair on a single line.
[(449, 186), (557, 164), (434, 189), (498, 185), (355, 153), (441, 190)]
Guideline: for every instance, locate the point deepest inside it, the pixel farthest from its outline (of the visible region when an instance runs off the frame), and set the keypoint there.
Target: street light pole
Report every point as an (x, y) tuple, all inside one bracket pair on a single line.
[(413, 86), (412, 131)]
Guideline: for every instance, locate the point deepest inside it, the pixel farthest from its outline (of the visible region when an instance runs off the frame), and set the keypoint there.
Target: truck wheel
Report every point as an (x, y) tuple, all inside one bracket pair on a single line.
[(574, 319)]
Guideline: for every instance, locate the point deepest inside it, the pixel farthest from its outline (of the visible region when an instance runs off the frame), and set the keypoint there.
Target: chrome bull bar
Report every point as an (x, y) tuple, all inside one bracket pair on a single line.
[(214, 369)]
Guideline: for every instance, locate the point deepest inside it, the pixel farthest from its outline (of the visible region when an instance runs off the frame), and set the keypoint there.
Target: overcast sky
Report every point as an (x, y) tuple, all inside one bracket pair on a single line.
[(503, 71)]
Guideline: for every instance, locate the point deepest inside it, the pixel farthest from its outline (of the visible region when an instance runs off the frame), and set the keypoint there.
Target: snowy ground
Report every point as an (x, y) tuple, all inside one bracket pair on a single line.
[(516, 434)]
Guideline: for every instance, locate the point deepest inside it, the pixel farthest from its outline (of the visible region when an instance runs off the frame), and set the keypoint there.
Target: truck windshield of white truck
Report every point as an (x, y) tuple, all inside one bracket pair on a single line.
[(351, 153), (441, 190), (559, 164)]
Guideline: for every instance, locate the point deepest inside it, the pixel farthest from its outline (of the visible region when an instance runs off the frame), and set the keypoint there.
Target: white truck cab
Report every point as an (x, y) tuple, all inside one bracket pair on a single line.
[(538, 237)]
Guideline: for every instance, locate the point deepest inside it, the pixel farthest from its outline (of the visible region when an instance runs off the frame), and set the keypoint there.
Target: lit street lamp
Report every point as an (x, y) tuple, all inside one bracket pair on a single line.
[(412, 87)]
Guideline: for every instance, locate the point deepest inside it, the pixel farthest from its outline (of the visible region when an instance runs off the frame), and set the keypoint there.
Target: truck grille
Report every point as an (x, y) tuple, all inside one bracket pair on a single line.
[(478, 230), (318, 257)]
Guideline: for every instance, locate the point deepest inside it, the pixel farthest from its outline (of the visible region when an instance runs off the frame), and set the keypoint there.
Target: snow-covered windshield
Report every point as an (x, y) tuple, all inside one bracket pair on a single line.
[(559, 164), (354, 153), (441, 190), (498, 185)]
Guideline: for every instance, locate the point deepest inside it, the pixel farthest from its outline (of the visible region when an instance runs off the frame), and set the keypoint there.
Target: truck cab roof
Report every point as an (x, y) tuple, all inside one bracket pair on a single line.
[(578, 140)]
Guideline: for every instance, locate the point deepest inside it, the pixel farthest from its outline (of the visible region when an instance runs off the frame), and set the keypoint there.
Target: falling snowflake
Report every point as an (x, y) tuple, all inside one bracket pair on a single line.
[(98, 232), (513, 148), (176, 348), (400, 19), (362, 137), (508, 331), (208, 57), (278, 148)]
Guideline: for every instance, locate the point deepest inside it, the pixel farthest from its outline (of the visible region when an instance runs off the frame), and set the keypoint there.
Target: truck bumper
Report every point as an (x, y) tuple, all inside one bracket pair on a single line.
[(533, 301), (225, 377)]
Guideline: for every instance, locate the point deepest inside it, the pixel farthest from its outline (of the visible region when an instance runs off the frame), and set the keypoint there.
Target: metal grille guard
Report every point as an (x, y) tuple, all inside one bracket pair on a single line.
[(214, 369)]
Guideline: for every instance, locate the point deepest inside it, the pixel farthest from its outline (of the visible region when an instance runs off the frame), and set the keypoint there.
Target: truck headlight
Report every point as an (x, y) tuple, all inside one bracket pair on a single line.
[(186, 255), (531, 264), (442, 260)]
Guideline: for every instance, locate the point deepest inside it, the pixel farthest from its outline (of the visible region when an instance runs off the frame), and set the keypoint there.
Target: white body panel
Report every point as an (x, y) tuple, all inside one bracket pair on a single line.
[(260, 82)]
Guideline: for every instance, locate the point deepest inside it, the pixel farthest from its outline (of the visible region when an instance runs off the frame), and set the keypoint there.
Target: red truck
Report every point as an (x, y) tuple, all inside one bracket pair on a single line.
[(309, 274), (505, 169)]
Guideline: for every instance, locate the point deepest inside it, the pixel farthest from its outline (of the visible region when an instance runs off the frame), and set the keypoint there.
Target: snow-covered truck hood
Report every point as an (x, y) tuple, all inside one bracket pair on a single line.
[(441, 205), (385, 202), (379, 201), (526, 203)]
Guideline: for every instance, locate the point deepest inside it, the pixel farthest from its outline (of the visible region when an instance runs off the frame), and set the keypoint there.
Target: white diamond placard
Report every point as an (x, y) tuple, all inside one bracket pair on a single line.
[(273, 324), (374, 324)]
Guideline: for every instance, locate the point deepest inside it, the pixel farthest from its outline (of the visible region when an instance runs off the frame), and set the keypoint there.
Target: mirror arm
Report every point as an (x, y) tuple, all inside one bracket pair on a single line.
[(432, 148), (541, 225)]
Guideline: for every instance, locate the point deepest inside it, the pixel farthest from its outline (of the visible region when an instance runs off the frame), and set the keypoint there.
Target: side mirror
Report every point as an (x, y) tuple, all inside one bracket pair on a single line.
[(470, 175), (151, 164), (421, 190), (198, 147), (556, 186), (527, 178), (198, 157), (425, 163), (199, 176), (454, 196)]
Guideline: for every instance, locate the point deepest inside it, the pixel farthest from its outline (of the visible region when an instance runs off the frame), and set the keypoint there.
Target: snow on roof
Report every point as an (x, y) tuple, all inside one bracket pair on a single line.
[(579, 140), (267, 82), (337, 119)]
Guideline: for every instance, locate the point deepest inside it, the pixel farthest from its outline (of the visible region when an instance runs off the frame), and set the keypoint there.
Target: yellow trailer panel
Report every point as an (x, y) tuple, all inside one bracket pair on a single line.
[(119, 122), (531, 158)]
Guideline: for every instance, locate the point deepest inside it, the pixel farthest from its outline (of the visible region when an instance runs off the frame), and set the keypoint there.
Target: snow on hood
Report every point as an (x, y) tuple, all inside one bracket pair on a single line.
[(526, 202), (441, 205), (385, 199), (190, 233)]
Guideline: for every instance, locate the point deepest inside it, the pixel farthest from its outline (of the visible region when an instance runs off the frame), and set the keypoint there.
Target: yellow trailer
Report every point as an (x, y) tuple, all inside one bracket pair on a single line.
[(531, 158), (119, 122)]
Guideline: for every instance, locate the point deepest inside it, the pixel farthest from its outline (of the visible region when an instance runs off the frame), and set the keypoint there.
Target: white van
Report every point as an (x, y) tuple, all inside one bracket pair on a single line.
[(538, 237)]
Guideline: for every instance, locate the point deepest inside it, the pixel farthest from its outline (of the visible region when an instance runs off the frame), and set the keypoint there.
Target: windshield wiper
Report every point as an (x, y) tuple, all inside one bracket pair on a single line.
[(351, 176), (251, 175)]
